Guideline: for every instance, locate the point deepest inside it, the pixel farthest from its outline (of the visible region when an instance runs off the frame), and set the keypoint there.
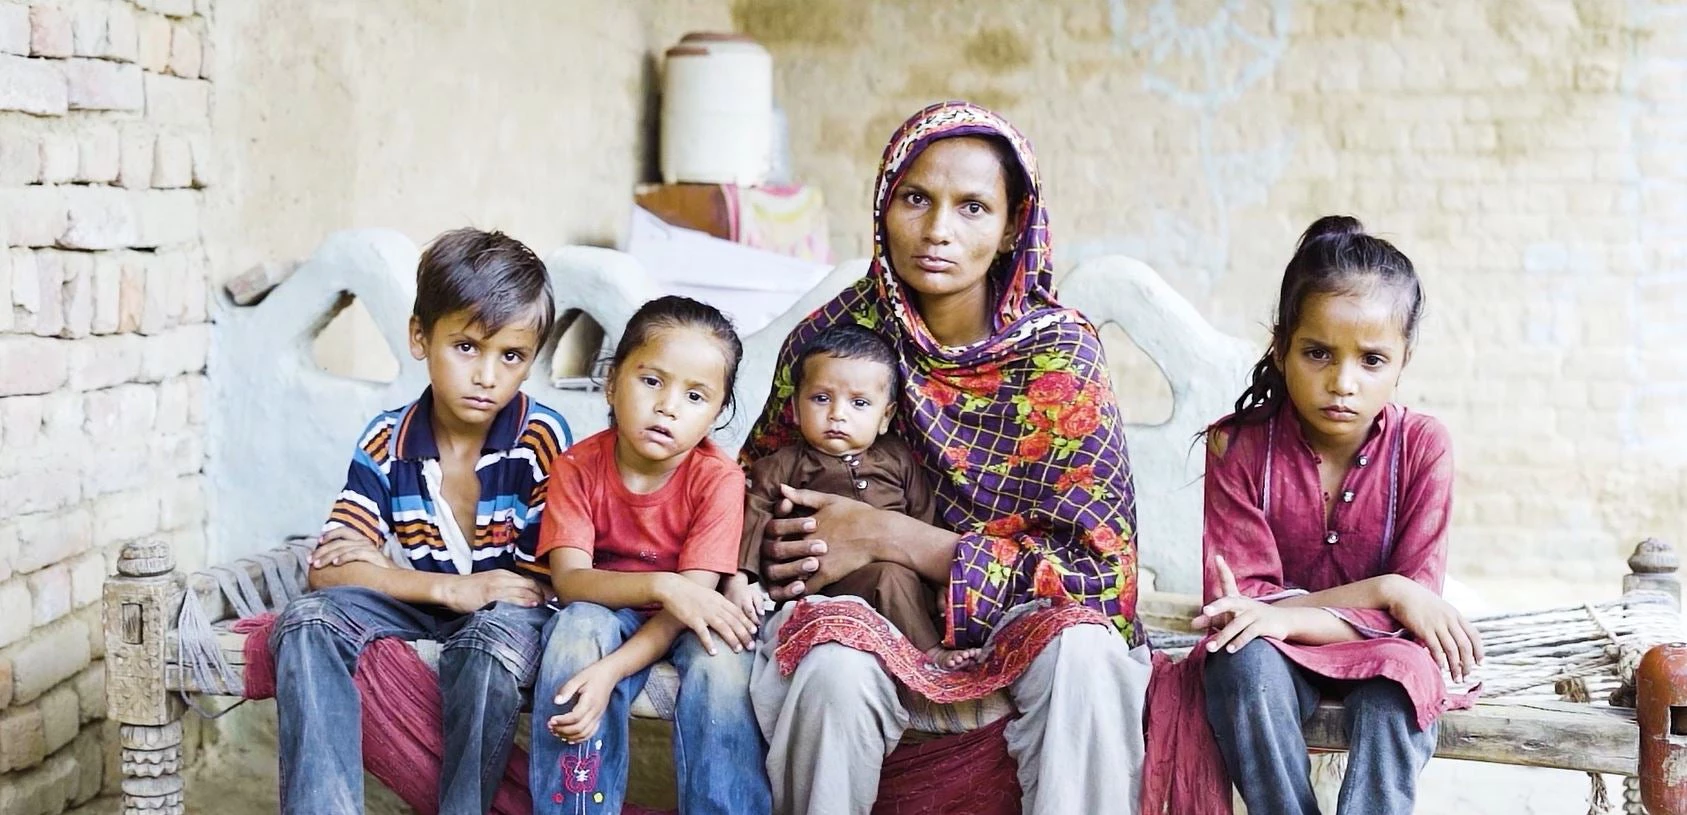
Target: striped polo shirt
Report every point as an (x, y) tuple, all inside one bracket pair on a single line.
[(394, 489)]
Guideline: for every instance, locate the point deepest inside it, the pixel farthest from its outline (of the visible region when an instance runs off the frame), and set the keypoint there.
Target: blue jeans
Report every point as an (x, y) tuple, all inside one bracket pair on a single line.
[(1257, 701), (486, 659), (719, 757)]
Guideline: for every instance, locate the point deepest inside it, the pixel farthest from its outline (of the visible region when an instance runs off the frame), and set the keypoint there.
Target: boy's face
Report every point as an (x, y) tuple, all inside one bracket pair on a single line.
[(474, 373), (843, 404)]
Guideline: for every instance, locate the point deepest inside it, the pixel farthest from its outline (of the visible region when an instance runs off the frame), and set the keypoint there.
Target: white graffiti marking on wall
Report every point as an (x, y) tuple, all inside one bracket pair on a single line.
[(1204, 65)]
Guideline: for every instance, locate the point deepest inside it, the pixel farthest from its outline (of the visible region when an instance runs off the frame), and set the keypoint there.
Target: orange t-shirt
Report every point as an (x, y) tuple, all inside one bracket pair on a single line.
[(693, 522)]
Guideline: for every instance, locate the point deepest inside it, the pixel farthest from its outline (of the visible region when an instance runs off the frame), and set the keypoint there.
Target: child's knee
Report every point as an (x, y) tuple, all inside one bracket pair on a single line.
[(1257, 668), (725, 677), (1379, 699), (507, 633), (579, 635), (329, 606), (331, 610)]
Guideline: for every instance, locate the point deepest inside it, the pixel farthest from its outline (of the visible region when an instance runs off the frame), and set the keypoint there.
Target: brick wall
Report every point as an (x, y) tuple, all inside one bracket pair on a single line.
[(104, 126), (1530, 156)]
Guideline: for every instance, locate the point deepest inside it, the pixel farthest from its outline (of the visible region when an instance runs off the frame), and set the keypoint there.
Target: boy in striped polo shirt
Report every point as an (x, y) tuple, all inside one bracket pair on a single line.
[(433, 537)]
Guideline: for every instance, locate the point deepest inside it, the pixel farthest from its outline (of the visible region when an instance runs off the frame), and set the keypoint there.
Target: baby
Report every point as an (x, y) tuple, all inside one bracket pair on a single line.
[(845, 382)]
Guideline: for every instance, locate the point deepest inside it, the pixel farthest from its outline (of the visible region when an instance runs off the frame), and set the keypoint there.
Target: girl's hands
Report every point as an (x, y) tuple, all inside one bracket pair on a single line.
[(590, 691), (1241, 619), (1450, 638), (704, 610)]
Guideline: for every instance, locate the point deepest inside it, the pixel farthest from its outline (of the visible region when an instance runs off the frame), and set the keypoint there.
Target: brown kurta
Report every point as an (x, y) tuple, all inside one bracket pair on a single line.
[(884, 476)]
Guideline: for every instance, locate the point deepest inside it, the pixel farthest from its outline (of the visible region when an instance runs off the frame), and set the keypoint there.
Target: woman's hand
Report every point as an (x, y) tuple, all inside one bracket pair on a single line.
[(1450, 638), (839, 538), (703, 609), (590, 691)]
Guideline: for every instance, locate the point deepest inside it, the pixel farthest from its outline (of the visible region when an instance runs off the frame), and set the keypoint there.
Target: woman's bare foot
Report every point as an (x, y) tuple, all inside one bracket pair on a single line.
[(955, 659)]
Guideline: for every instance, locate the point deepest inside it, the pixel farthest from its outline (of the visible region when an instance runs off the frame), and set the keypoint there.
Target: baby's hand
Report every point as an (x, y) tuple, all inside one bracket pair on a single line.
[(747, 596)]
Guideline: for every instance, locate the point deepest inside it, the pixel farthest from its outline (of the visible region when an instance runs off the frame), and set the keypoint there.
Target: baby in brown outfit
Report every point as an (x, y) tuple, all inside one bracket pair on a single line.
[(845, 384)]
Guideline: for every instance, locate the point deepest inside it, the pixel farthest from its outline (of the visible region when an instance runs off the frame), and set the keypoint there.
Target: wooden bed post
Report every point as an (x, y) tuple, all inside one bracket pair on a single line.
[(1652, 568), (140, 602)]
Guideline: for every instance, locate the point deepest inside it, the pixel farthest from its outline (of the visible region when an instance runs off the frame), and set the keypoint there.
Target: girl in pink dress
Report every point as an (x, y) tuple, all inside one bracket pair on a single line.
[(1326, 520)]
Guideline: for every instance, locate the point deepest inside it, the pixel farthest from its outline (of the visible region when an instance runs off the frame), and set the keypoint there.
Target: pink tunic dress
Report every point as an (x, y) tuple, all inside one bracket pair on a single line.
[(1265, 514)]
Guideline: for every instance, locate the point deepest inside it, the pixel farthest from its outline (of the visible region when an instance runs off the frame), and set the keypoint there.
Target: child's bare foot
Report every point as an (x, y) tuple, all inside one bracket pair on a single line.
[(952, 659)]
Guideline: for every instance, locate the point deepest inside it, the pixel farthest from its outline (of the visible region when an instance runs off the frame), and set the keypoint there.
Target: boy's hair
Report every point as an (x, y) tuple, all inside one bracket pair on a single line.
[(493, 276), (1335, 256), (673, 311), (847, 341)]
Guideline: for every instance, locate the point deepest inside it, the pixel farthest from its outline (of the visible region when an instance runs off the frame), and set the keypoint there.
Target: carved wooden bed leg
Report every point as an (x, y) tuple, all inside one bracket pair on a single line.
[(1631, 796), (1652, 568), (140, 606)]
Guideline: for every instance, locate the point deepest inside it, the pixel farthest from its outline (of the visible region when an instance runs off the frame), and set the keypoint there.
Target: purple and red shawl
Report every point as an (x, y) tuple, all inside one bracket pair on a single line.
[(1019, 431)]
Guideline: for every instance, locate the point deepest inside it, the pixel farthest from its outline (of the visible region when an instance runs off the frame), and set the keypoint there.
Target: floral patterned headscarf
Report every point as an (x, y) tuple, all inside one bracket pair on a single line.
[(1019, 431)]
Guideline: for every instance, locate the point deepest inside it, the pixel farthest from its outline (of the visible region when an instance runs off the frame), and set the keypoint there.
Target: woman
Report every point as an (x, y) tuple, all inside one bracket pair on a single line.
[(1006, 401)]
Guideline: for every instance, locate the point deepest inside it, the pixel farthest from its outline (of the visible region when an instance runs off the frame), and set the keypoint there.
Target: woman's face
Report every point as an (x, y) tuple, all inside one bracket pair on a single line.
[(948, 219)]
